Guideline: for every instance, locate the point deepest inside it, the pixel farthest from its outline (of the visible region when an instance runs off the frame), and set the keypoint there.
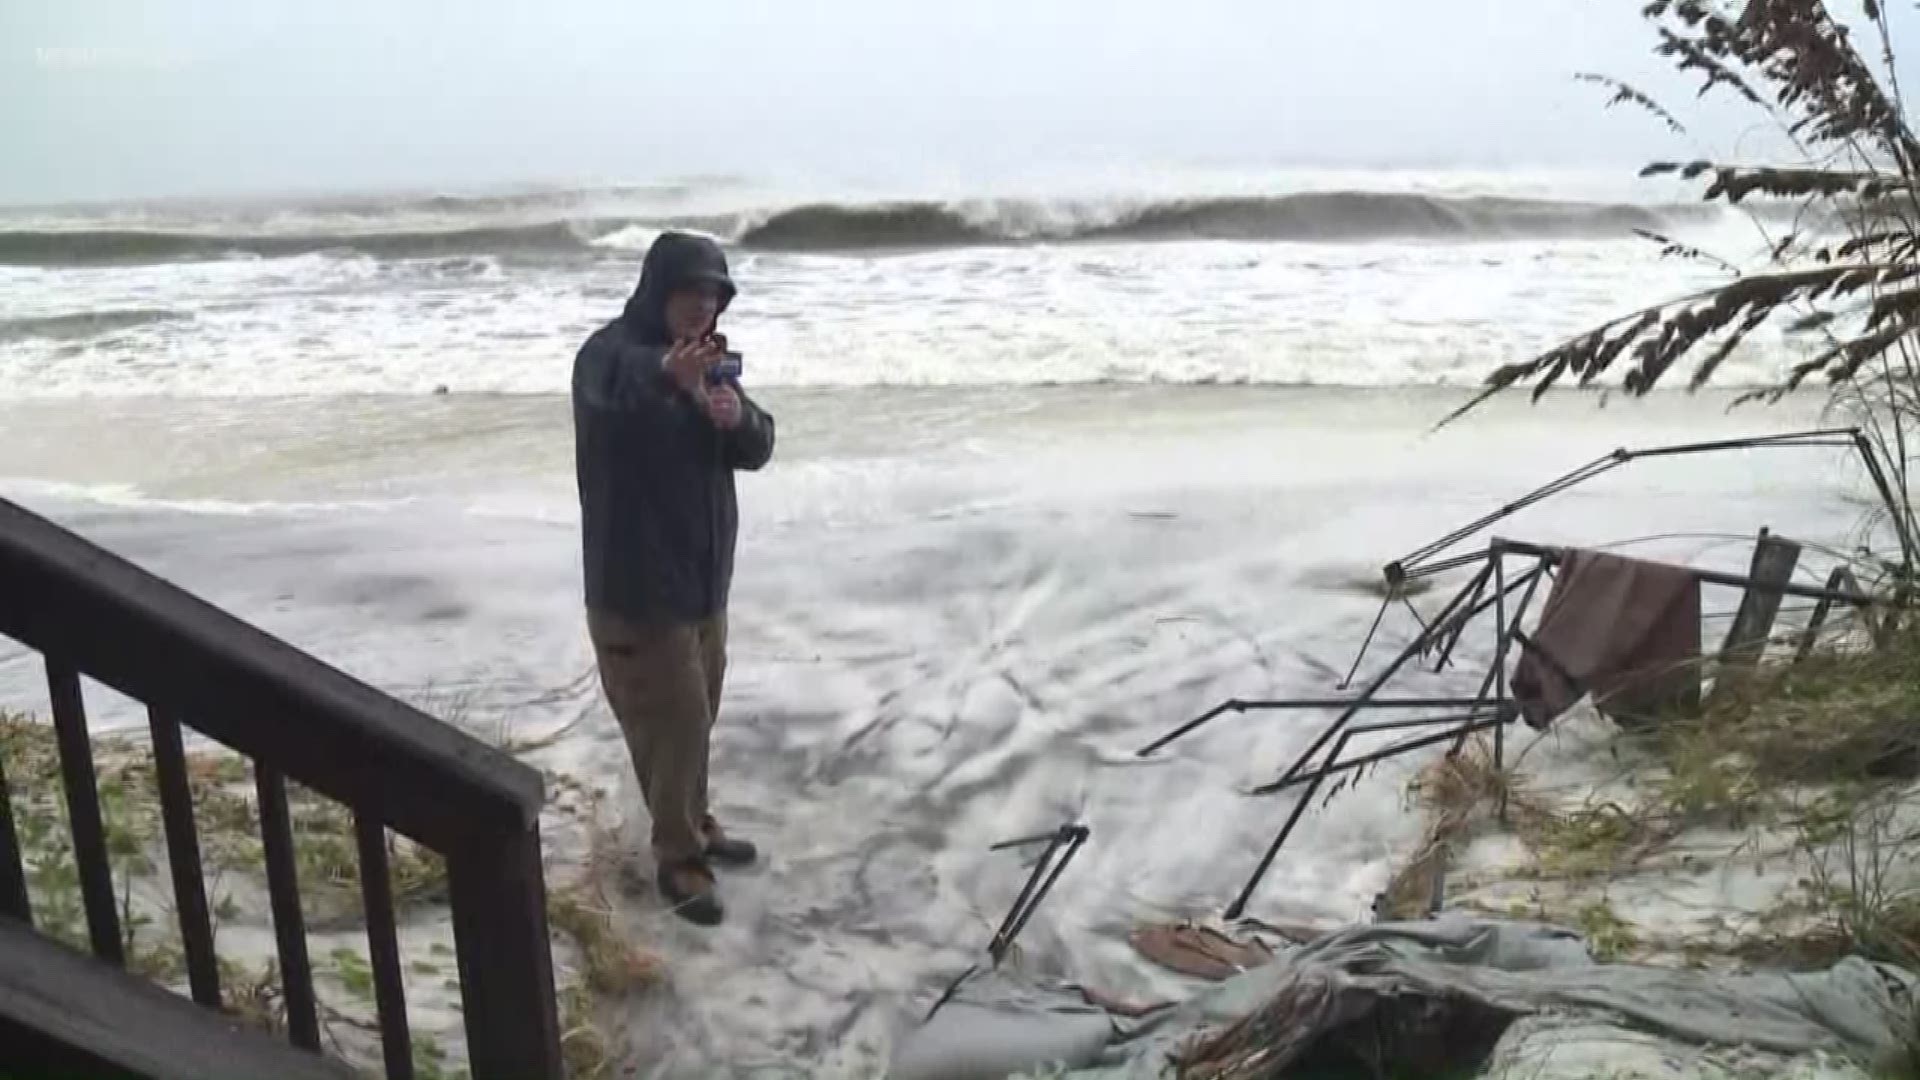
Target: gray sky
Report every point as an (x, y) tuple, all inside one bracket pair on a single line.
[(203, 97)]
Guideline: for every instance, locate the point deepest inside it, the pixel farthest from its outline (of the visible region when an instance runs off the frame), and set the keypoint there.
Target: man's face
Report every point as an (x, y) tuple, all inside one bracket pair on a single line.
[(691, 311)]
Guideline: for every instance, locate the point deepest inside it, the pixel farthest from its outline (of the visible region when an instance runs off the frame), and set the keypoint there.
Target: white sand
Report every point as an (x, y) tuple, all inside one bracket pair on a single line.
[(1697, 899), (958, 615)]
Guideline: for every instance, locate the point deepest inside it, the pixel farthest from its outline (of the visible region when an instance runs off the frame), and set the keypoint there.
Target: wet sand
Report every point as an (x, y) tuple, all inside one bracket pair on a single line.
[(957, 616)]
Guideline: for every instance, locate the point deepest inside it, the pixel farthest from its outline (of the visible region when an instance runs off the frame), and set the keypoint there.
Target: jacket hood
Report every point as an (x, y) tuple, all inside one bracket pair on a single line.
[(676, 259)]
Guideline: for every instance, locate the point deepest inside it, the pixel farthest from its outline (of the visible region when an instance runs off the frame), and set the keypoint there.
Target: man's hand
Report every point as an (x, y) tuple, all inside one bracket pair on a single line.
[(687, 363), (724, 407)]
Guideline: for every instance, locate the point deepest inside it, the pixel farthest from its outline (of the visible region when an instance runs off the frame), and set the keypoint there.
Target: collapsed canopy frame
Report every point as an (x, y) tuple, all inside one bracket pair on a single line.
[(1490, 709), (1428, 561)]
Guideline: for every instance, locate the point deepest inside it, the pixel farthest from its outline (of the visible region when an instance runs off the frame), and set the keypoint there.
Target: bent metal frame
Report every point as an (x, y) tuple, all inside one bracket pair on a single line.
[(1432, 558), (1063, 844), (1492, 707)]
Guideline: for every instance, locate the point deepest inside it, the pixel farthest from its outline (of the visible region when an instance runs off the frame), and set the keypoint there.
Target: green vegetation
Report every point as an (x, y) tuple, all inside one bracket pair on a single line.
[(1842, 229), (1817, 762), (228, 820), (327, 856), (1812, 764), (1815, 759), (610, 965)]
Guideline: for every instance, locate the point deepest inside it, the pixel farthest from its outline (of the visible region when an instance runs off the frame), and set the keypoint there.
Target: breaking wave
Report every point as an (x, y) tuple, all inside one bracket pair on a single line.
[(85, 324), (1322, 217), (82, 247)]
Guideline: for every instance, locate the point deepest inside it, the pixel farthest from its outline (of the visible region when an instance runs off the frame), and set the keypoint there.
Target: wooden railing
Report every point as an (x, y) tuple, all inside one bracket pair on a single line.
[(92, 615)]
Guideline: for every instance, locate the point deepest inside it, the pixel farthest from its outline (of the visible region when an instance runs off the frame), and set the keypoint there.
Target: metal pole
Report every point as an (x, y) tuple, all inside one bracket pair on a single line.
[(1503, 701), (1366, 643), (1820, 437), (1026, 841), (1414, 648), (1901, 524), (1538, 575), (1486, 687), (1068, 836), (1333, 766), (1238, 706), (1551, 555), (1239, 905), (1408, 565), (1460, 629), (1841, 576), (1026, 892), (1468, 727), (1194, 724), (1444, 565), (1448, 614), (1499, 652), (1003, 943), (1411, 565)]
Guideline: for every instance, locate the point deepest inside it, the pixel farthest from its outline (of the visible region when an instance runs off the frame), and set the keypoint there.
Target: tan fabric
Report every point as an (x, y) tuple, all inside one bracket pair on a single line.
[(1626, 630), (664, 681), (1200, 951)]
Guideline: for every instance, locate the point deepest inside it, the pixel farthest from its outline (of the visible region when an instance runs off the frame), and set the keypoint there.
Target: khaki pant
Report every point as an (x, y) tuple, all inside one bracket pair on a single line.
[(663, 681)]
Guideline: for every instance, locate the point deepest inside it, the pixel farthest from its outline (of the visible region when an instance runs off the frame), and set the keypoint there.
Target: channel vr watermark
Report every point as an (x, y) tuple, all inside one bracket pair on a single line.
[(108, 58)]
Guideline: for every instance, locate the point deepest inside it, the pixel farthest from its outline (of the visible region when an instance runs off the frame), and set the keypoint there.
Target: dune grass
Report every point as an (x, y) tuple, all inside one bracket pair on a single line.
[(1820, 757), (611, 964)]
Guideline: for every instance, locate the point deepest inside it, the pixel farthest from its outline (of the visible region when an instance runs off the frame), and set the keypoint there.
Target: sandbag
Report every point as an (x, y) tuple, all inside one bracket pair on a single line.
[(995, 1028), (1560, 1012), (1579, 1048)]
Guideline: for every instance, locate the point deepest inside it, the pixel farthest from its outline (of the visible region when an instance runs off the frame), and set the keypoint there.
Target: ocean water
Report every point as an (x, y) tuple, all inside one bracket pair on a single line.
[(1378, 280)]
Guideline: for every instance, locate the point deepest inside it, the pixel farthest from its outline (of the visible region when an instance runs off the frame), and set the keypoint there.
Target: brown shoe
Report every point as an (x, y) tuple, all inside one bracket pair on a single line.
[(688, 886), (723, 850)]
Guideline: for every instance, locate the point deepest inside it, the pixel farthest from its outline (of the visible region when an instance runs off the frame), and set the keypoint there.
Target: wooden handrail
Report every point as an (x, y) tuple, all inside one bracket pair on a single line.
[(94, 614), (159, 644)]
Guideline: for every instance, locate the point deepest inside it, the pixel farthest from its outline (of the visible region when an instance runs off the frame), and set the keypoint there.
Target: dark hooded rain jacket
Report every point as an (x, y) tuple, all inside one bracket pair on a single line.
[(657, 505)]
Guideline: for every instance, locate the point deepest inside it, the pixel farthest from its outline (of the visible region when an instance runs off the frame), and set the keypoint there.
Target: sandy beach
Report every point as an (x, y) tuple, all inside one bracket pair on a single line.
[(959, 612)]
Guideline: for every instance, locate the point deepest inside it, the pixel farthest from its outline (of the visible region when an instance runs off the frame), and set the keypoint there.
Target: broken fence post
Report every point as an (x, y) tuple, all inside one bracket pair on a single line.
[(1774, 560)]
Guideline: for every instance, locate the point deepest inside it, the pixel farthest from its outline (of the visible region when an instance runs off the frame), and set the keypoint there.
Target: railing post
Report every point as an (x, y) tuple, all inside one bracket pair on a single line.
[(183, 857), (383, 946), (83, 812), (499, 898), (283, 897)]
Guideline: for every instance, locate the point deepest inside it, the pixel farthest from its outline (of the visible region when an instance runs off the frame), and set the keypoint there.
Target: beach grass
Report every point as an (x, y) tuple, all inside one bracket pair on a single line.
[(1807, 769), (611, 964)]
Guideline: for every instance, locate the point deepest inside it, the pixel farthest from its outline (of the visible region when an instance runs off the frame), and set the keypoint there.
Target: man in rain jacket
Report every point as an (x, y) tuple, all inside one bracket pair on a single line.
[(659, 430)]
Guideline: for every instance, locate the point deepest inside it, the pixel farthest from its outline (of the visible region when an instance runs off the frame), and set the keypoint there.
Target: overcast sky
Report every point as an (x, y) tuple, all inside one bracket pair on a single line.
[(206, 97)]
